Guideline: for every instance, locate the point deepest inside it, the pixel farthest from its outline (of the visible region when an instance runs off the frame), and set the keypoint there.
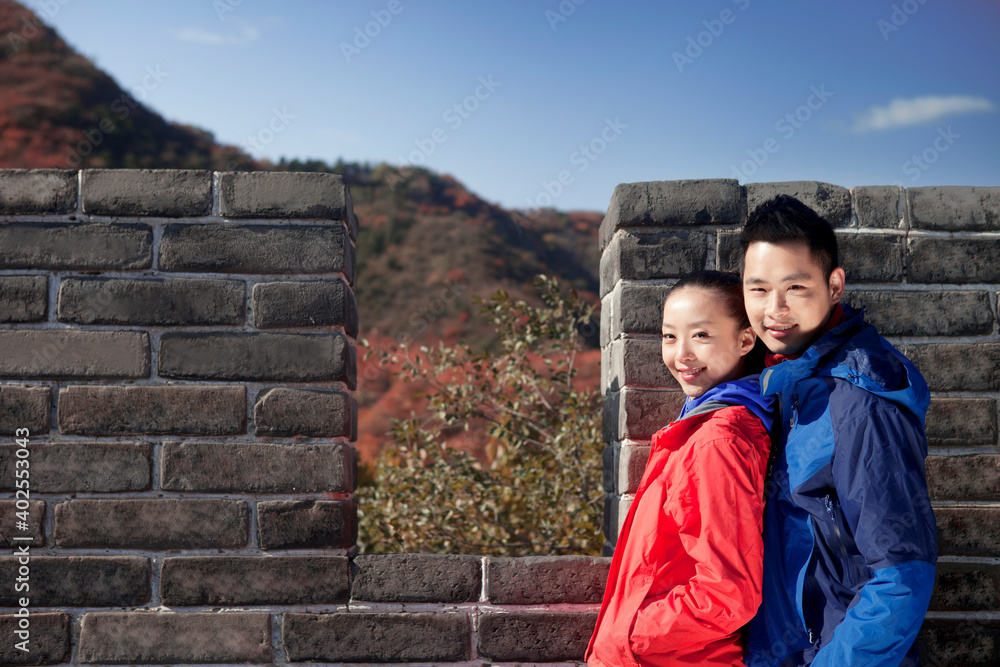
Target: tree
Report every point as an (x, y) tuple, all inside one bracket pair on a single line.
[(539, 489)]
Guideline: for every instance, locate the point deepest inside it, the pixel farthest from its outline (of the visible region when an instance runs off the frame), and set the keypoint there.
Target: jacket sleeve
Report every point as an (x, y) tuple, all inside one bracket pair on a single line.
[(718, 510), (878, 472)]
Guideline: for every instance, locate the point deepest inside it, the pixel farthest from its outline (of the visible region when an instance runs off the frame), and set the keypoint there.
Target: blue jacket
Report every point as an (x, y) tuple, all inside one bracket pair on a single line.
[(850, 540)]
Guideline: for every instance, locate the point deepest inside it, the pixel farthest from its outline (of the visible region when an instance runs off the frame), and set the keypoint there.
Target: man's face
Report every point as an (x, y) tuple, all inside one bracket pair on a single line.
[(787, 298)]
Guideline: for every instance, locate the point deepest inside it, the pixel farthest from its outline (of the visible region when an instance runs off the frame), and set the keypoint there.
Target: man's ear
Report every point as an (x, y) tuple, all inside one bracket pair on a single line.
[(837, 281)]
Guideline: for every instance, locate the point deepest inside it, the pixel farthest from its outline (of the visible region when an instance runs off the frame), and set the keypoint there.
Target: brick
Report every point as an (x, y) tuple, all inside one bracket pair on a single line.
[(638, 362), (606, 304), (316, 303), (57, 354), (156, 192), (964, 642), (37, 191), (870, 258), (148, 409), (729, 255), (94, 467), (954, 261), (152, 524), (831, 202), (74, 581), (160, 637), (282, 194), (640, 254), (878, 206), (75, 246), (535, 637), (962, 421), (36, 523), (546, 579), (23, 298), (925, 313), (957, 366), (974, 477), (377, 637), (686, 202), (289, 412), (639, 413), (968, 531), (307, 524), (259, 357), (610, 522), (631, 466), (637, 308), (151, 301), (27, 407), (951, 208), (255, 580), (966, 587), (609, 467), (49, 642), (232, 248), (257, 467), (417, 578)]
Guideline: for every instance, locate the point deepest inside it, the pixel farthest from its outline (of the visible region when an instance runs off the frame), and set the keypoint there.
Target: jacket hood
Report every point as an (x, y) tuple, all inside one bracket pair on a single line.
[(744, 391), (854, 351)]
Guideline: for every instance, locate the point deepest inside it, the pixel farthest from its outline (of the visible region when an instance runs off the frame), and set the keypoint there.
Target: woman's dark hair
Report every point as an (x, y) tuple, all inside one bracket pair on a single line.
[(729, 286)]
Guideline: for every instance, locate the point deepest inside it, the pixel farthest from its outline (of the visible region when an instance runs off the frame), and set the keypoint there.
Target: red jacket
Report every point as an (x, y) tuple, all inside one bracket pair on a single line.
[(687, 569)]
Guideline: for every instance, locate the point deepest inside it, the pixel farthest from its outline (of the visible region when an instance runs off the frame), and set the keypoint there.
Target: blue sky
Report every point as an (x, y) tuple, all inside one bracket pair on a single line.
[(554, 102)]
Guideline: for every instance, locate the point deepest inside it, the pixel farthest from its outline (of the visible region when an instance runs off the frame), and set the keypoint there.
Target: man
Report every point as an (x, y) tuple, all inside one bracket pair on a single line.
[(850, 541)]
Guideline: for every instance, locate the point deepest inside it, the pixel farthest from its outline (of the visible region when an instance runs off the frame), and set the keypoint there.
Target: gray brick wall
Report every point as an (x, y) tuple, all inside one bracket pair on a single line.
[(925, 265)]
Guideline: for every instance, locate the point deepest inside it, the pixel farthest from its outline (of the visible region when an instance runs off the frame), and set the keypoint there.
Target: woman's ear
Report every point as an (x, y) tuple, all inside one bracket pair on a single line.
[(747, 339)]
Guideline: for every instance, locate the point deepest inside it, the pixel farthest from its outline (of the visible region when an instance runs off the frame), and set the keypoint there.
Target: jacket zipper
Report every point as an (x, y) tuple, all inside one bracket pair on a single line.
[(840, 540)]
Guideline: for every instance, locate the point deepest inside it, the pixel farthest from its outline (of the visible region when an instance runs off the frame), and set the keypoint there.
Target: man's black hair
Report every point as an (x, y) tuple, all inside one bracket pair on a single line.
[(784, 219)]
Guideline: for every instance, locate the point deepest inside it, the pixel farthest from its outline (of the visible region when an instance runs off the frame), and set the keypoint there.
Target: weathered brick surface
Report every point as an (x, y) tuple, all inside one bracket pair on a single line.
[(166, 638), (957, 366), (257, 467), (970, 477), (307, 524), (535, 637), (36, 523), (955, 208), (36, 191), (231, 248), (640, 254), (639, 413), (288, 412), (954, 261), (960, 643), (255, 580), (23, 298), (638, 362), (546, 579), (151, 301), (48, 639), (925, 313), (69, 353), (966, 587), (174, 410), (638, 308), (266, 194), (158, 192), (416, 578), (830, 201), (686, 202), (152, 524), (968, 531), (75, 581), (609, 523), (962, 421), (729, 252), (631, 464), (377, 637), (870, 258), (93, 467), (256, 356), (27, 407), (878, 206), (315, 303), (75, 246)]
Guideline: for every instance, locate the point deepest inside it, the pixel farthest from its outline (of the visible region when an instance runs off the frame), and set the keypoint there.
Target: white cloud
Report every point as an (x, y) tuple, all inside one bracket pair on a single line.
[(246, 34), (917, 111)]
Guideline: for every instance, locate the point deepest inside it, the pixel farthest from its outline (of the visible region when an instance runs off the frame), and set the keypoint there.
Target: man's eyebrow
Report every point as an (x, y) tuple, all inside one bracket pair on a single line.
[(787, 279)]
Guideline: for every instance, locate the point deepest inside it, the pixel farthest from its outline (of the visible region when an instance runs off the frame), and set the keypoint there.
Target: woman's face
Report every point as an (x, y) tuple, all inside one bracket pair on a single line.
[(702, 344)]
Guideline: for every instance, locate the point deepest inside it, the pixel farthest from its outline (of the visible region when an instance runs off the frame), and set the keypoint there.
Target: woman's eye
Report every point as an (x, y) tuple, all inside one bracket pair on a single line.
[(668, 336), (701, 334)]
